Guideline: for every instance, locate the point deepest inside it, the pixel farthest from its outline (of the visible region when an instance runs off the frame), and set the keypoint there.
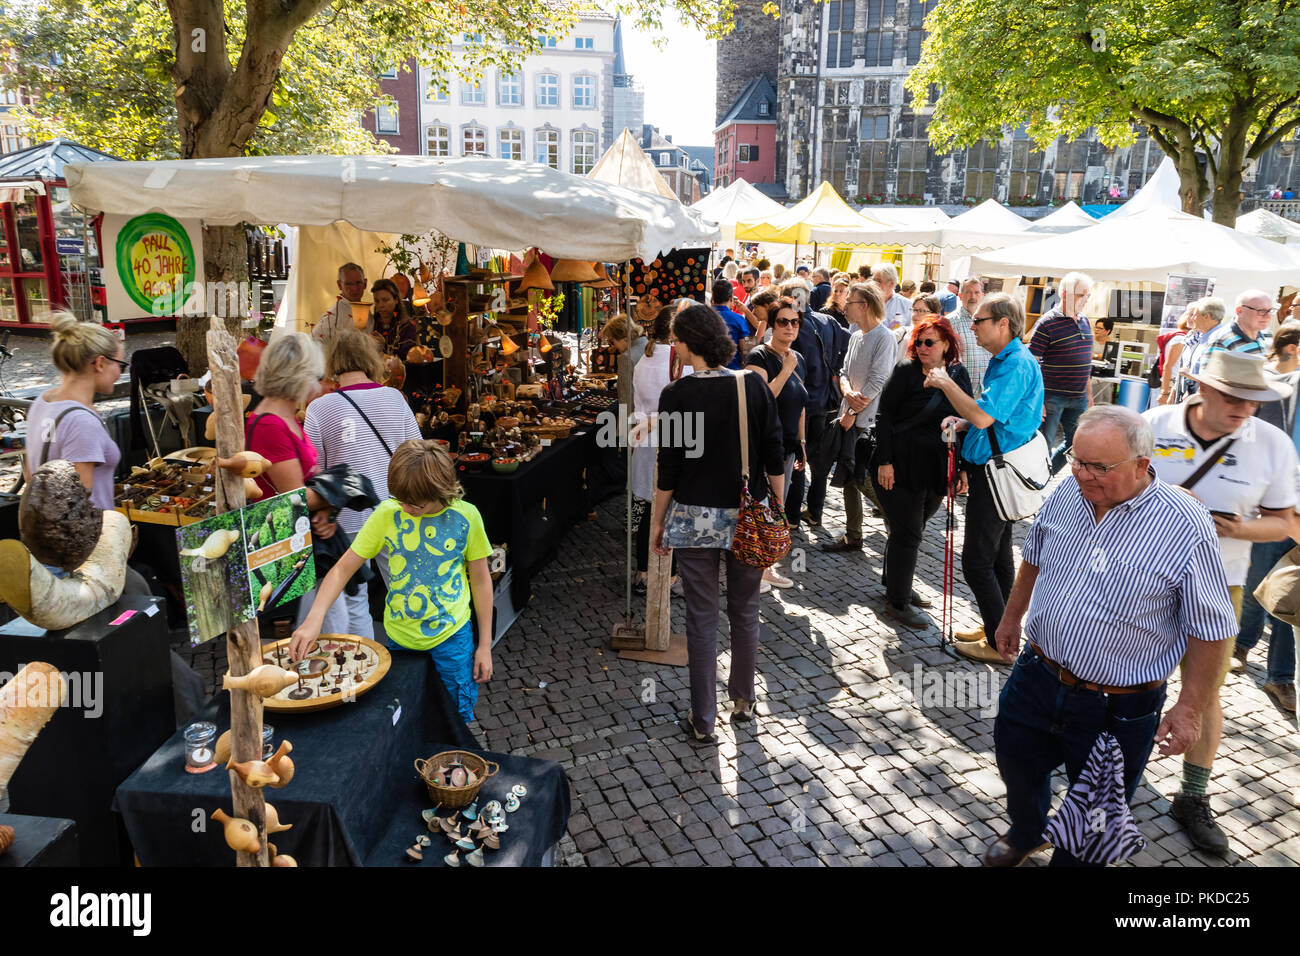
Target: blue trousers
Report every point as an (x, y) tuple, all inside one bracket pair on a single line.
[(1062, 410), (454, 661), (1281, 645), (1043, 723)]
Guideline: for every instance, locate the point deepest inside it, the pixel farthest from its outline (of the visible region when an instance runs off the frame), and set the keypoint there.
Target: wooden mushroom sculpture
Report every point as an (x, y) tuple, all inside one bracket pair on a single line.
[(246, 464), (265, 680), (281, 764), (241, 835), (6, 839), (284, 859), (26, 705)]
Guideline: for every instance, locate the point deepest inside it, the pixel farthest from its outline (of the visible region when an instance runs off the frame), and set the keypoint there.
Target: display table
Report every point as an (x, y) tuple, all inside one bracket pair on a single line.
[(354, 792), (40, 841)]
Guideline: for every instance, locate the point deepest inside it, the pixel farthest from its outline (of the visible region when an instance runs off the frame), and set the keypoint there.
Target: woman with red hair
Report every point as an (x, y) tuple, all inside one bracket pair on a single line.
[(911, 460)]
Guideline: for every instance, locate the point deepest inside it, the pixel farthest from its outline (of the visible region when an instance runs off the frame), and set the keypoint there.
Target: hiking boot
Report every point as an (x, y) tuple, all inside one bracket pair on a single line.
[(694, 735), (1197, 819), (742, 711), (908, 615), (843, 544), (1284, 694)]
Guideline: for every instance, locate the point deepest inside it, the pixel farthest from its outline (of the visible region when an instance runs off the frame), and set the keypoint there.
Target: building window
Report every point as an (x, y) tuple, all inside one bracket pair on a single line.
[(584, 152), (475, 141), (839, 33), (873, 154), (1026, 169), (548, 148), (546, 41), (882, 92), (472, 38), (472, 94), (981, 170), (913, 161), (435, 95), (511, 144), (584, 92), (437, 141), (510, 89), (747, 154), (665, 159), (879, 43), (764, 108), (386, 120), (548, 89), (917, 10), (838, 93), (874, 127), (835, 147), (584, 43), (1071, 164), (389, 74)]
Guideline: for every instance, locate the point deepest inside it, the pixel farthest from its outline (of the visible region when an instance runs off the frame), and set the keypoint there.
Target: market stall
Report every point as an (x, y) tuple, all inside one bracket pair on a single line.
[(735, 203)]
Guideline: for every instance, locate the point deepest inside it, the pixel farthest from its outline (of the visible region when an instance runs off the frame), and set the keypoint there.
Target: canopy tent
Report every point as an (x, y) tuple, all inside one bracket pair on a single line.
[(626, 164), (1158, 192), (735, 203), (1146, 247), (1269, 225), (500, 204), (821, 209), (1066, 219), (912, 217), (989, 225)]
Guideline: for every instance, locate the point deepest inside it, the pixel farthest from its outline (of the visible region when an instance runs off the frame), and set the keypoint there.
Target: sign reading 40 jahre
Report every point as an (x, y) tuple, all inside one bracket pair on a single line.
[(154, 257)]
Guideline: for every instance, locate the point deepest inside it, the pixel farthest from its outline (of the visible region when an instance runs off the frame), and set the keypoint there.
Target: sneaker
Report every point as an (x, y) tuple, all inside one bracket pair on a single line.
[(908, 615), (917, 601), (775, 578), (843, 544), (1238, 662), (1197, 819), (764, 587), (638, 586), (694, 735), (1284, 694), (809, 519), (742, 711)]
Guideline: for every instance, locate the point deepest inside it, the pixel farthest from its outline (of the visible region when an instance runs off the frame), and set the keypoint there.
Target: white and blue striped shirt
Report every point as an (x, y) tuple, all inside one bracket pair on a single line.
[(1116, 600)]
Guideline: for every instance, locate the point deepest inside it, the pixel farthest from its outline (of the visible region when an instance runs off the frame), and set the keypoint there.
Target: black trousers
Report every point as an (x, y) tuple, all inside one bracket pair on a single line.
[(986, 562), (907, 509), (642, 516), (814, 484)]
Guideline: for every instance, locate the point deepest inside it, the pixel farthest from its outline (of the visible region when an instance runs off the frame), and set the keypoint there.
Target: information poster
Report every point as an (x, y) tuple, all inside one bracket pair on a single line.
[(239, 563), (153, 265), (1180, 292)]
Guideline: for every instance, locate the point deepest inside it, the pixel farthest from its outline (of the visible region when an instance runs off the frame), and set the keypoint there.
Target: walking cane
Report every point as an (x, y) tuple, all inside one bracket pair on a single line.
[(950, 532)]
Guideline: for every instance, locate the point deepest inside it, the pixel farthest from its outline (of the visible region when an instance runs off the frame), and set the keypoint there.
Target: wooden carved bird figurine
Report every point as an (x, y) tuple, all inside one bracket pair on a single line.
[(265, 680), (254, 773)]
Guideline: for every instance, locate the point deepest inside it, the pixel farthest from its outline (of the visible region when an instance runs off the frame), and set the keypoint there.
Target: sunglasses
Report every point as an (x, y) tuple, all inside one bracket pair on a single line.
[(794, 322), (928, 343), (975, 322)]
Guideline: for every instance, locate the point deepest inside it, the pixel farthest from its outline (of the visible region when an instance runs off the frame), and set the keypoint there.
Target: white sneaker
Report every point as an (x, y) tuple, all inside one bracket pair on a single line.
[(775, 578), (764, 587)]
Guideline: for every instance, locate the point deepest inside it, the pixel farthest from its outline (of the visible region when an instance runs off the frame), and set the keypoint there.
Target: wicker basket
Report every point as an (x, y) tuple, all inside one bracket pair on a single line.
[(455, 797)]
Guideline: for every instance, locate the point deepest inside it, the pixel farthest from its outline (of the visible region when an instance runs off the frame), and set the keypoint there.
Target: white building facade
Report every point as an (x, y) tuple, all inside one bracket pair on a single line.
[(558, 109)]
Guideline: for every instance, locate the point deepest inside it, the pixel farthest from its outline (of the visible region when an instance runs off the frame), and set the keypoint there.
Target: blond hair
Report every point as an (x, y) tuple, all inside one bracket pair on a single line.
[(78, 343), (421, 473), (290, 366), (354, 351), (621, 327)]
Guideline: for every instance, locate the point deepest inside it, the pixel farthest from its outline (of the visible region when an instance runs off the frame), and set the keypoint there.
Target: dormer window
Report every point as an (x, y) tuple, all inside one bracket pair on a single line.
[(764, 109)]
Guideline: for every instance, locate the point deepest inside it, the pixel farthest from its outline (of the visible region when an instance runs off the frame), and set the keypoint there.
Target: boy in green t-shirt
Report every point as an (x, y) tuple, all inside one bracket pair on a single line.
[(437, 553)]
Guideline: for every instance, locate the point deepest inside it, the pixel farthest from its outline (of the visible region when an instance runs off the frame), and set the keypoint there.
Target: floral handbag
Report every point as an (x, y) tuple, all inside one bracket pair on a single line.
[(762, 535)]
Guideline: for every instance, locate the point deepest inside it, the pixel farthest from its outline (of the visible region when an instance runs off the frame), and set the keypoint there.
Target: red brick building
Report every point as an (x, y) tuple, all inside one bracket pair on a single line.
[(399, 127), (745, 140)]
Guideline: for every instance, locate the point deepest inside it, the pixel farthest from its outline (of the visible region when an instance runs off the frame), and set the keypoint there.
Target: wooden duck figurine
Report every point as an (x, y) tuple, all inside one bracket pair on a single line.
[(273, 824), (284, 859), (265, 680), (254, 773), (241, 835), (281, 764), (246, 464)]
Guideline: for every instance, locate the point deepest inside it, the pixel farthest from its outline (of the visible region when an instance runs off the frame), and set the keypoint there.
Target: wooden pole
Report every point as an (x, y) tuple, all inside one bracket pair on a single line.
[(243, 648), (658, 596)]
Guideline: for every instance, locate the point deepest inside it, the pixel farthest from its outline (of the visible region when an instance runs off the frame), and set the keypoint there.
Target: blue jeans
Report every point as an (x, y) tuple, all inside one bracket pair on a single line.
[(454, 661), (1281, 645), (1062, 410), (1043, 723)]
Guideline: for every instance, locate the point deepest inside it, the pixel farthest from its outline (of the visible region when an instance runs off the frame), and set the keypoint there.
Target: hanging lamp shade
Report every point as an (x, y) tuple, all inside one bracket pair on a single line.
[(418, 295), (546, 345), (572, 270), (360, 314), (602, 281), (508, 346), (462, 260), (403, 285), (535, 277)]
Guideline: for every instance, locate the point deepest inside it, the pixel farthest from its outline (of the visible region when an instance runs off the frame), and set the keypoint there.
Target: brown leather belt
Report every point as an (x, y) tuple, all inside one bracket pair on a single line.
[(1069, 680)]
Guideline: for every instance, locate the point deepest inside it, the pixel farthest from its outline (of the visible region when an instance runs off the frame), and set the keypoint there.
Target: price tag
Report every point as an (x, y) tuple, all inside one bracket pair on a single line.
[(164, 498), (151, 610), (397, 714)]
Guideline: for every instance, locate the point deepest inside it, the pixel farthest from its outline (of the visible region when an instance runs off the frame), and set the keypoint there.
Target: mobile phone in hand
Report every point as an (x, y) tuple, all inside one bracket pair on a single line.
[(1226, 515)]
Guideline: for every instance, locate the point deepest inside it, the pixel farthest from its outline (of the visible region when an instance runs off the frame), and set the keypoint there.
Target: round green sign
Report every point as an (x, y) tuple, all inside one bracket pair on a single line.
[(155, 262)]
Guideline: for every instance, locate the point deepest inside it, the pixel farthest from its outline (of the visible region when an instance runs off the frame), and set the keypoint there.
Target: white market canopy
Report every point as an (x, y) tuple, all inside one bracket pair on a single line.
[(1066, 219), (1269, 225), (1146, 247), (911, 217), (990, 225), (1158, 192), (626, 164), (821, 210), (737, 202), (496, 203)]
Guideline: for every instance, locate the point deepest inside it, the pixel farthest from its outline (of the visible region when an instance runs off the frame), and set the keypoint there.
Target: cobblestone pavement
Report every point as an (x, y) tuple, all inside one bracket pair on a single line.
[(845, 764)]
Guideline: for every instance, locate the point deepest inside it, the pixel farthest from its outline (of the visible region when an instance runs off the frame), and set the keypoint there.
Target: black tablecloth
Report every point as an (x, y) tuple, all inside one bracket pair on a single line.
[(40, 841), (512, 510), (354, 778)]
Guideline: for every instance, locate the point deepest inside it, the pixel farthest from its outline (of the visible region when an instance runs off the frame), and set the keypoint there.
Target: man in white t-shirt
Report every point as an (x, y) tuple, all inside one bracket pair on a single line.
[(898, 308), (352, 288), (1250, 491)]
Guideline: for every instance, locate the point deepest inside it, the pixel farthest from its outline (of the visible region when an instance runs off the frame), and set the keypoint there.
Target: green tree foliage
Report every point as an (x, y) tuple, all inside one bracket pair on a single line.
[(1219, 78)]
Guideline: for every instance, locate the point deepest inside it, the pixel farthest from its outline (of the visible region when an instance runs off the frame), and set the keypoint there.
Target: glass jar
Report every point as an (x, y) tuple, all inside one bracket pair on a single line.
[(267, 748), (199, 756)]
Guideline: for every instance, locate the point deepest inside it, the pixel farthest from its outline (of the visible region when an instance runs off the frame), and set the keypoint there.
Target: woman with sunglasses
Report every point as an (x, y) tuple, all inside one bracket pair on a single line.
[(911, 460), (784, 370)]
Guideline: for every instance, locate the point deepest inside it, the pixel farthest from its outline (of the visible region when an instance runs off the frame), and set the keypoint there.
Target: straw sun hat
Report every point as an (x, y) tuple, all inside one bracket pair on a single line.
[(1241, 376)]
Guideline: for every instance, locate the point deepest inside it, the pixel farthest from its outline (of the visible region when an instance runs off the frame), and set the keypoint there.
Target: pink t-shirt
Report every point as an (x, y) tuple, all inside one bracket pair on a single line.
[(271, 437)]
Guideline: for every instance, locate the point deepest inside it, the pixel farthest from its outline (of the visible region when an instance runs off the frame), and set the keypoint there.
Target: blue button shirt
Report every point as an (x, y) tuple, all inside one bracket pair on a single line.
[(1013, 397), (738, 328)]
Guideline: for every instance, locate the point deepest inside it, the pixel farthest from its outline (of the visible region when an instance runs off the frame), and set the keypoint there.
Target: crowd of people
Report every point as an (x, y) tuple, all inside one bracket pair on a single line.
[(1142, 559)]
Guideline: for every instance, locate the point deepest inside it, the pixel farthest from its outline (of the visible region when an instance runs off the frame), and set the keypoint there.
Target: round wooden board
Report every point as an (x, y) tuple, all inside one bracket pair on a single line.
[(282, 705)]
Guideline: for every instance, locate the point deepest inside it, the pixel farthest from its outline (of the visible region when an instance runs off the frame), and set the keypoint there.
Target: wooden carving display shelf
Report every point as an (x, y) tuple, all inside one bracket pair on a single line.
[(374, 666)]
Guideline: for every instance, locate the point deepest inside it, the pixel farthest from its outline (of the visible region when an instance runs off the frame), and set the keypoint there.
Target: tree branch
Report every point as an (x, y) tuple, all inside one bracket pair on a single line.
[(1264, 141)]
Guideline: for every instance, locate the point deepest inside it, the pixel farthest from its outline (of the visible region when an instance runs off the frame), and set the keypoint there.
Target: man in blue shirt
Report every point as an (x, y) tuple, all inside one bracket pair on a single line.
[(736, 324), (948, 299), (1011, 406)]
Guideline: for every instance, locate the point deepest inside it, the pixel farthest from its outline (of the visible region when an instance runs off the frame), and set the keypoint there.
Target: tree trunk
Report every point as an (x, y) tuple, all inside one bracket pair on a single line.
[(1231, 171), (225, 269), (1192, 187)]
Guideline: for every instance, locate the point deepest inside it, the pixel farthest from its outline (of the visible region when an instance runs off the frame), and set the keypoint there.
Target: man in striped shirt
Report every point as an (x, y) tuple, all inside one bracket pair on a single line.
[(1062, 343), (962, 320), (1247, 333), (1121, 578)]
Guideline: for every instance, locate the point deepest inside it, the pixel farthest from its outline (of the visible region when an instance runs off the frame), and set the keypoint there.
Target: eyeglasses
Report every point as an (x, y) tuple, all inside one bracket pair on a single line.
[(1268, 311), (984, 318), (120, 364), (794, 322), (1091, 467)]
